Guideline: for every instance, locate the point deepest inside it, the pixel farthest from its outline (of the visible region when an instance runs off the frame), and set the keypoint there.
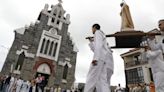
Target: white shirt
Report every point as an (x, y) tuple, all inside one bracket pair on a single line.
[(155, 59), (118, 89), (19, 82), (102, 51), (12, 80)]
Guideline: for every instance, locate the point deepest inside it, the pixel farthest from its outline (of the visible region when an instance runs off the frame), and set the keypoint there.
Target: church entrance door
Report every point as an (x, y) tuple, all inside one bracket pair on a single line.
[(44, 70), (46, 76)]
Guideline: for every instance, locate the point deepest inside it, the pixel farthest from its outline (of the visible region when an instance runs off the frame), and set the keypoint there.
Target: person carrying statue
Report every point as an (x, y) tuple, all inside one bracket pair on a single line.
[(155, 57), (101, 68)]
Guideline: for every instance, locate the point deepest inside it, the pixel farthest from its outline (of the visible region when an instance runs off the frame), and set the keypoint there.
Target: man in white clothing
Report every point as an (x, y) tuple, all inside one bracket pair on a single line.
[(57, 89), (12, 83), (24, 87), (101, 68), (156, 59), (118, 89), (19, 84)]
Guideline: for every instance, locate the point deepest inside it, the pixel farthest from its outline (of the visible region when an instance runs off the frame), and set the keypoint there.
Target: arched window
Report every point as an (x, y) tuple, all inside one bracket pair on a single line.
[(65, 71), (51, 46), (53, 20), (58, 21), (20, 61), (47, 45), (55, 48), (42, 47)]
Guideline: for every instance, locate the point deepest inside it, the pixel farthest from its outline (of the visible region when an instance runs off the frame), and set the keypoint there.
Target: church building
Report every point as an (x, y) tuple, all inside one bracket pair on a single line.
[(46, 48)]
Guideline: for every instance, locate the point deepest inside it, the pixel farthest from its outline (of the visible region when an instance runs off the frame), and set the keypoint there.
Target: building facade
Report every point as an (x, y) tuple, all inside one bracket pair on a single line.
[(137, 68), (45, 47)]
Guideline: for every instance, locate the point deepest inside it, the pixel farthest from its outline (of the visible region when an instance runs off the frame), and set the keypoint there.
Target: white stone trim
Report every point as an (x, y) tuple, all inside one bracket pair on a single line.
[(59, 9), (44, 68), (54, 24), (64, 81), (20, 30), (52, 31), (67, 59), (46, 56), (18, 52), (47, 35), (69, 64), (25, 47), (64, 63), (16, 72), (75, 49), (60, 63), (37, 22)]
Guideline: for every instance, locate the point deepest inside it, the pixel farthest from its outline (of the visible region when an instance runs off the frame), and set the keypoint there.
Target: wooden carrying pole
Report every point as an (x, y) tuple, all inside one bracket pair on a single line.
[(128, 34), (129, 39)]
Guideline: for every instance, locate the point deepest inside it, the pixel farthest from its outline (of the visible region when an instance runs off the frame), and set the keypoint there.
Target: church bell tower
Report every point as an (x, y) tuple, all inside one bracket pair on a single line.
[(44, 48)]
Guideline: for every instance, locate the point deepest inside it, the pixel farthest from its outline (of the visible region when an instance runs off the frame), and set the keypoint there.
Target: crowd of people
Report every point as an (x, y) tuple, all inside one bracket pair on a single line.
[(142, 87), (14, 83), (138, 87)]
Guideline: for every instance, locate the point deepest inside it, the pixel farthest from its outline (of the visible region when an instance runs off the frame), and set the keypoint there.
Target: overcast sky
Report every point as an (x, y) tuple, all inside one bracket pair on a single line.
[(18, 13)]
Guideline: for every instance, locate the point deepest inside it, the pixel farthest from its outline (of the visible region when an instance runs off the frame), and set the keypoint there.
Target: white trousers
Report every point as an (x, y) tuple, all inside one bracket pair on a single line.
[(11, 87), (97, 78), (24, 89), (159, 81), (109, 75), (18, 88)]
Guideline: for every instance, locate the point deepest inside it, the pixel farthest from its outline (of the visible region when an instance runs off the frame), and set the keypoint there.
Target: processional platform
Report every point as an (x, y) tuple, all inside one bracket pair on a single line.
[(129, 39)]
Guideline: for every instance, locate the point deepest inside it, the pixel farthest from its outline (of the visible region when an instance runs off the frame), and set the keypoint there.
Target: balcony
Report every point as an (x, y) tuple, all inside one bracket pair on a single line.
[(135, 63)]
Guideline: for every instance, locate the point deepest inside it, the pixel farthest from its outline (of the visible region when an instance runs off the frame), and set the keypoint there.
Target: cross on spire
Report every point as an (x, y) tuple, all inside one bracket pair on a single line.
[(60, 1), (123, 0)]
